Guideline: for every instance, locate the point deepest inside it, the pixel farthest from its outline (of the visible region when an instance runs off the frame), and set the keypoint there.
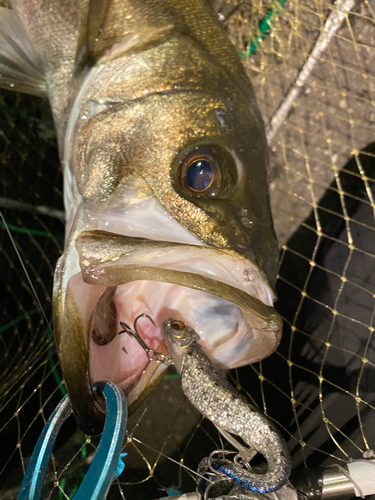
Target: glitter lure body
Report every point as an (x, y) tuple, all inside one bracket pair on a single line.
[(210, 392)]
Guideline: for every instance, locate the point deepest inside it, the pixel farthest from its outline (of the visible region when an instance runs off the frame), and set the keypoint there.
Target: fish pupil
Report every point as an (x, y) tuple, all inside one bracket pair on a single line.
[(200, 175)]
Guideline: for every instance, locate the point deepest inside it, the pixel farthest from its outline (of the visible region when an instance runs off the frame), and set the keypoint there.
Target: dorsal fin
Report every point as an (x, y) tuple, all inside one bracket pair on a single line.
[(21, 68)]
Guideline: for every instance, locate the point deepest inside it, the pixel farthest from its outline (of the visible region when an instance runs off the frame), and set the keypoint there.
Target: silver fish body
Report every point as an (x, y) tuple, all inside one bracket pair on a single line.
[(149, 99), (210, 392)]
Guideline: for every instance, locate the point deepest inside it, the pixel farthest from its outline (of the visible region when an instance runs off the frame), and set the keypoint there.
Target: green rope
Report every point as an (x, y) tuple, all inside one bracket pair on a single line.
[(62, 485), (264, 27), (171, 376), (55, 372), (84, 447), (35, 232), (17, 320), (14, 111)]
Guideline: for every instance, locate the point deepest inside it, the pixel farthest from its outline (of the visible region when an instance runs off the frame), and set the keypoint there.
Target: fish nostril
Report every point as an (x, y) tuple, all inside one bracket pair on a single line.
[(245, 250), (242, 247), (246, 222)]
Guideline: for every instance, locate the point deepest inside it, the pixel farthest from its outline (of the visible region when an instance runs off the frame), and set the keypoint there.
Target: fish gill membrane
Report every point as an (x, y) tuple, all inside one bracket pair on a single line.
[(210, 392), (165, 186)]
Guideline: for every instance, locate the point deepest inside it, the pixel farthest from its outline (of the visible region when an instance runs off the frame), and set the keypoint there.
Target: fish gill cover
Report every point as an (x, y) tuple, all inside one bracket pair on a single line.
[(319, 385)]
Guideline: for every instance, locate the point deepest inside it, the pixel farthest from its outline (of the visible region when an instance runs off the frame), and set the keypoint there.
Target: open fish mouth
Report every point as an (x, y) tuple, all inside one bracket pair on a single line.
[(222, 294)]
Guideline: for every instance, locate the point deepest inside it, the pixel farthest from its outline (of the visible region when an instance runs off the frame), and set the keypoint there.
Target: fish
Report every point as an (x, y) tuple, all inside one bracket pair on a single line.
[(210, 392), (165, 161)]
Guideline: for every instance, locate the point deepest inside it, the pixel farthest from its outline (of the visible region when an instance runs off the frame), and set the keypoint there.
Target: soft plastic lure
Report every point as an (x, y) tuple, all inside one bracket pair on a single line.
[(210, 392)]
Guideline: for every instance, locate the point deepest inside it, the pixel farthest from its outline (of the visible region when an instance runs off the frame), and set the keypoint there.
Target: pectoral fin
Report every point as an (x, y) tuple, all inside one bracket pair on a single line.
[(21, 68)]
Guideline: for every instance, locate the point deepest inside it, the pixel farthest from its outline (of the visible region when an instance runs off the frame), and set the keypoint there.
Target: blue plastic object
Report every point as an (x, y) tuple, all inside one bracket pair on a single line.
[(102, 470), (173, 492), (120, 466)]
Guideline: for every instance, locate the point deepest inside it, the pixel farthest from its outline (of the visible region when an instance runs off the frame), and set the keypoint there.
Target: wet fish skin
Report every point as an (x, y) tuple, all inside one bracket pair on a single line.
[(210, 392), (134, 87), (177, 52)]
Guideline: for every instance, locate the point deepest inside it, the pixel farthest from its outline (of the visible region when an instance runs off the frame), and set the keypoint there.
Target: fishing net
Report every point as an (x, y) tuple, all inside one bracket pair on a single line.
[(312, 64)]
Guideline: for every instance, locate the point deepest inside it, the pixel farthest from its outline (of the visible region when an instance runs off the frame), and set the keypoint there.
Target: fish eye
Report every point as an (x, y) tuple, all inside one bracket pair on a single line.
[(200, 173), (179, 328), (177, 325), (208, 171)]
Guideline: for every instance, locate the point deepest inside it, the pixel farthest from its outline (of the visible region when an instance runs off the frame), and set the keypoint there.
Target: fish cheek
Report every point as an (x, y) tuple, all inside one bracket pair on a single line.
[(149, 136), (100, 161), (198, 124), (243, 215), (223, 206)]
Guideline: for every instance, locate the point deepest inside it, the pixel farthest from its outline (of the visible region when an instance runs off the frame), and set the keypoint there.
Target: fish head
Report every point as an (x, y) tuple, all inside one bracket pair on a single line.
[(170, 217), (192, 151), (178, 337)]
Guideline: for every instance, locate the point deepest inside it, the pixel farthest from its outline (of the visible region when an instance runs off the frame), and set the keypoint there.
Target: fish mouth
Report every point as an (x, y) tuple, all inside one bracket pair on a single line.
[(221, 294)]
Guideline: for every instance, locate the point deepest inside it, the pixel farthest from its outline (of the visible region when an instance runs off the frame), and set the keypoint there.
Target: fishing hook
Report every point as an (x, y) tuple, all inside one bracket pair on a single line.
[(152, 355)]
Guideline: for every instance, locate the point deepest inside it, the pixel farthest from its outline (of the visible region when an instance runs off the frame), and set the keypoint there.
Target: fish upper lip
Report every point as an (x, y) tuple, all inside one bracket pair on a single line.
[(109, 259)]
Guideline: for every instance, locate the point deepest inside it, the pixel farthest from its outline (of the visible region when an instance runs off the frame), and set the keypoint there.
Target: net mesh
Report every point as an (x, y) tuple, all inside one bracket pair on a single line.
[(319, 386)]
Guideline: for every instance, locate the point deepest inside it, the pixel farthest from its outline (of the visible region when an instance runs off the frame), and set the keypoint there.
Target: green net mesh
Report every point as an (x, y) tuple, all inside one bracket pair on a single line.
[(312, 64)]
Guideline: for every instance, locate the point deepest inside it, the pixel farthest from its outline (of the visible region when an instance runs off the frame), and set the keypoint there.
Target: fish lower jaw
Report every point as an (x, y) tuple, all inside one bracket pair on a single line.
[(235, 328), (118, 357)]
